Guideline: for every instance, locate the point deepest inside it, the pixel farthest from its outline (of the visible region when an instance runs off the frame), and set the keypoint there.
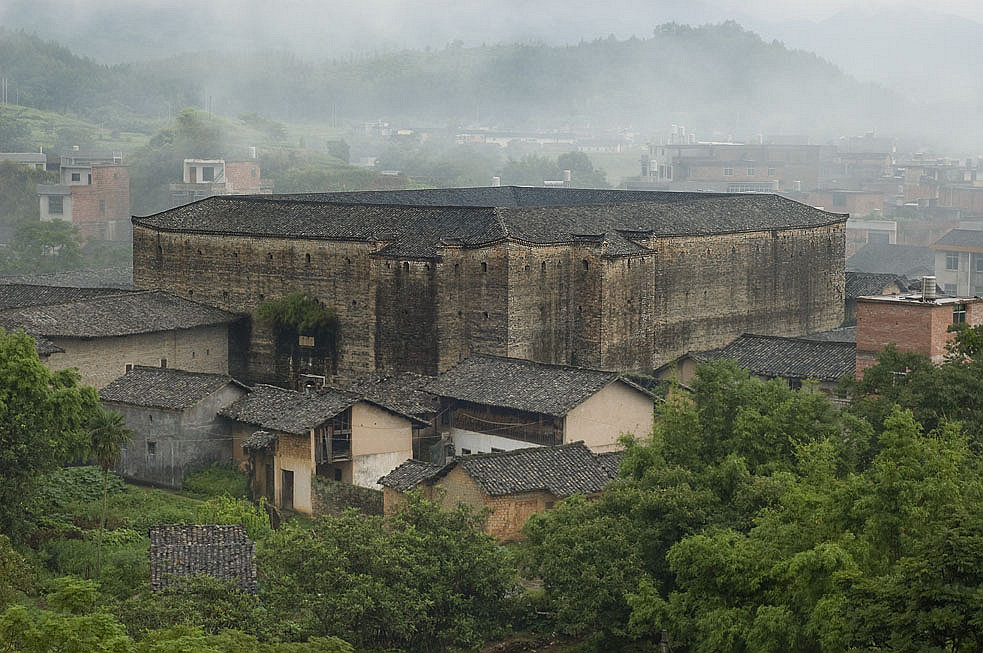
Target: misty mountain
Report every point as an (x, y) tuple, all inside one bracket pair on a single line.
[(919, 52), (714, 78)]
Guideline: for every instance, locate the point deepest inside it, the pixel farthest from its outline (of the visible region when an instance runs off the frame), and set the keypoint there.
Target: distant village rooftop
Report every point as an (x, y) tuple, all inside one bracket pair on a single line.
[(788, 358), (157, 387)]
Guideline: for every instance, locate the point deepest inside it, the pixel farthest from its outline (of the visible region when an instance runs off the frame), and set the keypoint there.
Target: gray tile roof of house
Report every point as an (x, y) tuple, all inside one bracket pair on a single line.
[(842, 334), (115, 315), (610, 461), (961, 239), (156, 387), (522, 384), (259, 441), (902, 260), (561, 470), (287, 411), (223, 552), (120, 278), (860, 284), (409, 474), (417, 223), (20, 295), (788, 358), (403, 393)]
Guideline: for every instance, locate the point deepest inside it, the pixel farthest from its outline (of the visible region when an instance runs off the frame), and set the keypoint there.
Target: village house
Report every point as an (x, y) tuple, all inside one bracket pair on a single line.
[(420, 279), (93, 193), (913, 322), (289, 437), (203, 178), (491, 403), (909, 261), (173, 417), (103, 332), (959, 262), (794, 360), (512, 485)]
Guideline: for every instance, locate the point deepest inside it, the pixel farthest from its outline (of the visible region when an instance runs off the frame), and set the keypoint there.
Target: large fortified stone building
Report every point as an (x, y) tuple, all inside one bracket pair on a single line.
[(420, 279)]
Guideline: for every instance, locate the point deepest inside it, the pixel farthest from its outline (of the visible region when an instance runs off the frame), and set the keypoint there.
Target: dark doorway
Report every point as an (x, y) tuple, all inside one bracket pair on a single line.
[(287, 491), (269, 482)]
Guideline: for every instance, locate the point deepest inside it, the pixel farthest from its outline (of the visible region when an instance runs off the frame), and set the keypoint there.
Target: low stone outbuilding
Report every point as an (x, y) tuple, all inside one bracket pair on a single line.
[(769, 357), (291, 436), (174, 418), (102, 333), (513, 485), (493, 403), (182, 550)]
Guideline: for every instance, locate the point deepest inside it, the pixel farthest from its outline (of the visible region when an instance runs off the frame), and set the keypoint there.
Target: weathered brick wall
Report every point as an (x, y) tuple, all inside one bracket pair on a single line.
[(510, 513), (691, 293), (244, 176), (710, 289), (110, 186), (102, 360)]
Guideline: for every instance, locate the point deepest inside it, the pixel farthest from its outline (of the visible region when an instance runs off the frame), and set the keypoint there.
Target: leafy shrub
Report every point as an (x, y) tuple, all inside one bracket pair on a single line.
[(139, 509), (226, 510), (16, 576), (216, 481), (301, 314)]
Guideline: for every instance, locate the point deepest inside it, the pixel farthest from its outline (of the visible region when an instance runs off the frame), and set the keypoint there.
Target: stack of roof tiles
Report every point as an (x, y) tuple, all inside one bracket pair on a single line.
[(181, 550), (561, 470)]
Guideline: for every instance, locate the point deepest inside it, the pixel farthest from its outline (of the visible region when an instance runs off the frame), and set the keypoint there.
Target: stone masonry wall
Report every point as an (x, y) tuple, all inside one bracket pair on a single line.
[(560, 303)]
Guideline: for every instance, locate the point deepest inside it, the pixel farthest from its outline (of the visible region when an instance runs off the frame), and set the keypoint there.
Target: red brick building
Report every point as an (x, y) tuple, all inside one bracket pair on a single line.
[(93, 193), (914, 323)]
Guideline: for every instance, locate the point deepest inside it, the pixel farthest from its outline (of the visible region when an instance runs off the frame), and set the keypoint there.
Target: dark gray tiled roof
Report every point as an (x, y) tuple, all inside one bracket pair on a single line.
[(223, 552), (902, 260), (20, 295), (561, 470), (416, 223), (410, 474), (842, 334), (115, 315), (521, 384), (961, 238), (860, 284), (788, 358), (404, 393), (156, 387), (610, 461), (259, 441), (277, 409), (120, 278)]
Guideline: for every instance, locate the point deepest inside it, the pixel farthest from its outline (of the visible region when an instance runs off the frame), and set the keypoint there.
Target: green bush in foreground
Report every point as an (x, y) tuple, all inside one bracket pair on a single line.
[(216, 481)]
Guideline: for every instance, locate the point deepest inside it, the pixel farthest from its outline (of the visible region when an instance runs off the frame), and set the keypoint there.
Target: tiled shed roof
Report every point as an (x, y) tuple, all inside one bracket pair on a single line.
[(277, 409), (561, 470), (223, 552), (522, 384), (860, 284), (788, 358), (156, 387), (259, 441), (415, 223), (115, 315)]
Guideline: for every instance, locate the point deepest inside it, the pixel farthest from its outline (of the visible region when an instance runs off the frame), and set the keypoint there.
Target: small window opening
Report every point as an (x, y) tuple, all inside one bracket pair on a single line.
[(544, 266), (307, 258), (586, 264), (269, 256), (160, 251), (486, 314), (151, 448), (406, 267), (484, 267)]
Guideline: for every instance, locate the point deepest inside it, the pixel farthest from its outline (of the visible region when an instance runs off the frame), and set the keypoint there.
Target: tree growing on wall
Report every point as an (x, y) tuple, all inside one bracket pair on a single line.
[(298, 314)]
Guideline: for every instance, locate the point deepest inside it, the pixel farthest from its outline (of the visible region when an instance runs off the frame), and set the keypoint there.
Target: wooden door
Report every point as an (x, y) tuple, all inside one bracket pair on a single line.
[(287, 491)]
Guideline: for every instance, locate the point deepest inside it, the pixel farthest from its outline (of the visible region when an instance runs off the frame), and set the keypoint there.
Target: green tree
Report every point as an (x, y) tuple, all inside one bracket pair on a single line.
[(43, 423), (230, 510), (425, 580), (40, 247), (108, 434)]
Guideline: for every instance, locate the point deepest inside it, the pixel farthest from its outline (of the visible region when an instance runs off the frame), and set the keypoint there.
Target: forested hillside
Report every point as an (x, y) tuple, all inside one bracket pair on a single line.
[(719, 75)]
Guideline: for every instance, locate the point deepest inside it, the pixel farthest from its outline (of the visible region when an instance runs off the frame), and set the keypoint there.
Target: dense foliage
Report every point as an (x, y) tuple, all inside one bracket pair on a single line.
[(298, 313)]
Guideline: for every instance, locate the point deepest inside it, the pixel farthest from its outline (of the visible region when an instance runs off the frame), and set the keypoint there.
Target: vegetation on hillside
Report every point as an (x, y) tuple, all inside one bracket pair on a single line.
[(753, 518)]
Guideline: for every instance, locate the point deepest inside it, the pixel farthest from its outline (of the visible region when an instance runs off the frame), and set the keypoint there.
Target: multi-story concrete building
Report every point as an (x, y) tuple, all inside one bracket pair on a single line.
[(419, 280), (203, 178), (93, 193), (959, 262)]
